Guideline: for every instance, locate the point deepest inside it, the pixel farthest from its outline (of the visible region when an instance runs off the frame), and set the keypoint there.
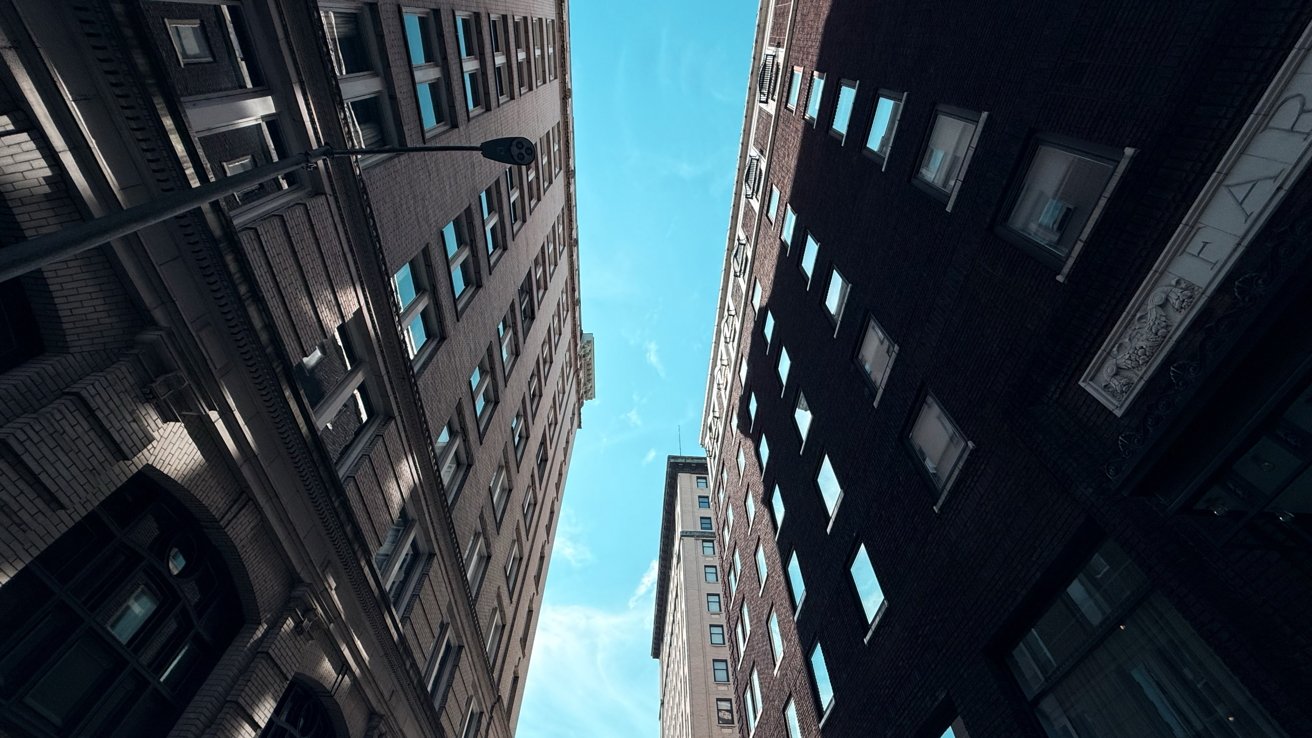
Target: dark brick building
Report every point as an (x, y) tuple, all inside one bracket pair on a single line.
[(288, 464), (1008, 417)]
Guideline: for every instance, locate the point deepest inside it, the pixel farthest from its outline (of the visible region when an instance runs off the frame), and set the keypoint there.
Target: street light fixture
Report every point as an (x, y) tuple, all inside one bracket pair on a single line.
[(35, 253)]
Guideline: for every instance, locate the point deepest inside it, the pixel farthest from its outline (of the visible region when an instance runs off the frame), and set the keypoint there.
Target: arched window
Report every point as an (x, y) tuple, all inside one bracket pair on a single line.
[(300, 714), (112, 629)]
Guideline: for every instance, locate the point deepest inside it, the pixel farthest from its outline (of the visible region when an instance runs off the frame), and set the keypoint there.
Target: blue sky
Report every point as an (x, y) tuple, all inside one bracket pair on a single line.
[(659, 90)]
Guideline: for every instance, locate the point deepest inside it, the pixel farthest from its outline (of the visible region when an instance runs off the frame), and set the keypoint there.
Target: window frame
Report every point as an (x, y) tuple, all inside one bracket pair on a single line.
[(814, 98), (430, 72), (794, 89), (876, 388), (843, 86), (899, 101), (949, 195), (920, 459), (1115, 160), (471, 65)]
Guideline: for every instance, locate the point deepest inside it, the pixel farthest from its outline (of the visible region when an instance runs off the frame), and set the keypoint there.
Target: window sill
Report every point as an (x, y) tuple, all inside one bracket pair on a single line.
[(425, 355), (1041, 253), (931, 189), (437, 132)]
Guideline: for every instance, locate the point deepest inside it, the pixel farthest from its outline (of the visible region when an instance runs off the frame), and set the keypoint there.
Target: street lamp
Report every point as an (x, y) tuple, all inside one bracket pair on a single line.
[(35, 253)]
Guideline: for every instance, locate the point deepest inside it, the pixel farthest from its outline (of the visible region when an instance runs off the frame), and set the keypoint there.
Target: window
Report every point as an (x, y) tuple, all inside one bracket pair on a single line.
[(948, 150), (704, 502), (809, 251), (483, 390), (535, 389), (784, 365), (539, 68), (1064, 183), (710, 573), (814, 96), (512, 196), (763, 451), (489, 205), (734, 568), (519, 433), (744, 629), (337, 383), (299, 714), (494, 633), (824, 691), (452, 456), (530, 504), (541, 460), (802, 416), (418, 312), (776, 639), (399, 560), (888, 110), (777, 505), (772, 205), (116, 625), (460, 260), (867, 586), (421, 38), (353, 45), (1111, 656), (551, 49), (717, 635), (761, 569), (476, 558), (796, 585), (471, 61), (506, 336), (499, 491), (767, 329), (742, 462), (750, 504), (939, 445), (500, 72), (723, 711), (513, 562), (789, 226), (794, 88), (752, 700), (836, 297), (189, 41), (712, 602), (708, 547), (875, 356), (473, 719), (756, 295), (720, 670), (790, 719), (830, 490), (843, 111), (701, 482), (705, 523)]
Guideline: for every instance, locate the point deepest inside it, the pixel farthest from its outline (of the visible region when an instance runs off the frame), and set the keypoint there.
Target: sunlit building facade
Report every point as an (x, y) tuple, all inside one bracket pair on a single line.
[(288, 464), (1009, 410), (689, 636)]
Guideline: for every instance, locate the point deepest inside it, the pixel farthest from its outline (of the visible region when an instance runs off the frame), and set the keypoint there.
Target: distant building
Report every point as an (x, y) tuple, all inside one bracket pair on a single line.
[(1008, 419), (289, 464), (689, 634)]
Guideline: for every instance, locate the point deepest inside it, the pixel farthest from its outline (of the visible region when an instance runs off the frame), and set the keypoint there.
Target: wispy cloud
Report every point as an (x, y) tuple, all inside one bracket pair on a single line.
[(635, 420), (570, 541), (653, 355), (650, 457), (606, 649), (645, 585)]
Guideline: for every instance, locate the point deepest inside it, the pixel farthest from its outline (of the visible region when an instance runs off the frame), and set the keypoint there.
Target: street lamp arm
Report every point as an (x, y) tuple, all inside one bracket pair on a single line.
[(32, 254)]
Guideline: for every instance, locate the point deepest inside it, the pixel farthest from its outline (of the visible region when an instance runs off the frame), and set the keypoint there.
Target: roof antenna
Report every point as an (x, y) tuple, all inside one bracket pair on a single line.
[(680, 432)]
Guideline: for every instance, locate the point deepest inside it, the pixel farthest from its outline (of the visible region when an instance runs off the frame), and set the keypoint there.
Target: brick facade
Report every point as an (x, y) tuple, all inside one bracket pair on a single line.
[(1000, 338)]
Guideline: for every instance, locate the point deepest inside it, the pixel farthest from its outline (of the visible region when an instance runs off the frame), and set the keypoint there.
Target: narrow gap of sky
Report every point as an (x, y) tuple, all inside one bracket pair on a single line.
[(658, 93)]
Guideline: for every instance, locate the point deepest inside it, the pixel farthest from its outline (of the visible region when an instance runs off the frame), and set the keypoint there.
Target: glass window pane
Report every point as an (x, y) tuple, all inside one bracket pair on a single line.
[(820, 673), (843, 112), (946, 151), (884, 125), (1060, 190), (417, 35), (867, 584), (827, 482), (405, 286), (133, 613)]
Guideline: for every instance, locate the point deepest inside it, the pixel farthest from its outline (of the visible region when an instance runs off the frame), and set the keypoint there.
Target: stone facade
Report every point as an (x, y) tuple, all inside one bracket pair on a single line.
[(264, 406)]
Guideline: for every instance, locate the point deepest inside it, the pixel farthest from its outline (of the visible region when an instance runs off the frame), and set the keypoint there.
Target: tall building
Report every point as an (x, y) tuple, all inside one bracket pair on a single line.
[(287, 464), (1008, 415), (689, 635)]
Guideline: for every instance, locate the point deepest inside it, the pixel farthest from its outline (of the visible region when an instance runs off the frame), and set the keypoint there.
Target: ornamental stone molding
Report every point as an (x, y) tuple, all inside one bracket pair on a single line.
[(1271, 151)]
